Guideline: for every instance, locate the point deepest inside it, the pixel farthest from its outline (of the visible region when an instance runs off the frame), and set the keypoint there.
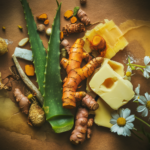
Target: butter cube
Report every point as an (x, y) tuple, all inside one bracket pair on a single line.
[(103, 114), (110, 86)]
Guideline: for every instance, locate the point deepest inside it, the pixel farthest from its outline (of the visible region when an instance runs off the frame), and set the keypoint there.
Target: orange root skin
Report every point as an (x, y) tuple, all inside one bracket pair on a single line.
[(42, 17), (75, 73)]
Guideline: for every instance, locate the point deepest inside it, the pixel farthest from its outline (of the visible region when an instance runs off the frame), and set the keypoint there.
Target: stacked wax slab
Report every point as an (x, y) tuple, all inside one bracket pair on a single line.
[(113, 36)]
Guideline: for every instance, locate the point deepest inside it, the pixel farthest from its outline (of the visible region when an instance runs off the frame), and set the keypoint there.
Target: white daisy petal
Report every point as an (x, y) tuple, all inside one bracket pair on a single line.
[(126, 113), (137, 89), (144, 113), (146, 60), (145, 74), (114, 128), (115, 116), (147, 68), (113, 121), (129, 125), (147, 96), (141, 108), (127, 131), (120, 131), (121, 112), (130, 118), (129, 78), (142, 100), (129, 69)]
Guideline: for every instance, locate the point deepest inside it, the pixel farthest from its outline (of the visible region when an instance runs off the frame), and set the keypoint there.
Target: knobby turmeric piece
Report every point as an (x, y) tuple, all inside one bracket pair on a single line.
[(29, 70), (68, 14), (46, 22), (79, 133), (65, 44), (73, 28), (42, 17), (76, 74), (83, 17), (89, 125), (73, 19)]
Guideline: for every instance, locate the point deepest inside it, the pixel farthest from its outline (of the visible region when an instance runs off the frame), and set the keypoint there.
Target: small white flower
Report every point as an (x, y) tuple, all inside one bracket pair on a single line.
[(147, 67), (122, 122), (145, 105), (128, 74), (138, 97)]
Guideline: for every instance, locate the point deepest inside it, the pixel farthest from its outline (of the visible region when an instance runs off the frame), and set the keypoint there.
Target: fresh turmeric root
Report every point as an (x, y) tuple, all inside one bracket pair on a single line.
[(83, 17), (23, 101), (2, 86), (79, 133), (76, 74), (89, 125), (65, 44), (89, 102), (73, 28)]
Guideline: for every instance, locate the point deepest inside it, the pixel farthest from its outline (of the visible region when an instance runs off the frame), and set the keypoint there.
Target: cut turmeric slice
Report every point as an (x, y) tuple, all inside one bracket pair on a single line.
[(46, 22), (73, 19), (29, 70), (68, 14), (42, 17), (61, 35)]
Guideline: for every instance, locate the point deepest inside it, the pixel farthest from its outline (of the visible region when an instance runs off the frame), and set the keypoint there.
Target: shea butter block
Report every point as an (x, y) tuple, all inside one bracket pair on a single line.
[(113, 36), (109, 84)]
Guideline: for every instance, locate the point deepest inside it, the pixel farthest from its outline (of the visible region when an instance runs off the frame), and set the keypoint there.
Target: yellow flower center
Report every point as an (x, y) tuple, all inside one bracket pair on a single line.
[(121, 121), (128, 73), (148, 105), (30, 96), (138, 97)]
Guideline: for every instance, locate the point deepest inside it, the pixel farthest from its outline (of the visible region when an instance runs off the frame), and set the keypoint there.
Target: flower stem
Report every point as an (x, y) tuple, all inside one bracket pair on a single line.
[(136, 65), (142, 121)]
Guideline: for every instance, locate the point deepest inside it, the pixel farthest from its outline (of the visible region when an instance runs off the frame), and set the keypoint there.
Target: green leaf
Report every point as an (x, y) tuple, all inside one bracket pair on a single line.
[(75, 11)]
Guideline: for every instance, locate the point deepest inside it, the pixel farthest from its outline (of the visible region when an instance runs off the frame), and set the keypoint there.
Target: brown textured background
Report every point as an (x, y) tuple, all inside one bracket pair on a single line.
[(11, 15)]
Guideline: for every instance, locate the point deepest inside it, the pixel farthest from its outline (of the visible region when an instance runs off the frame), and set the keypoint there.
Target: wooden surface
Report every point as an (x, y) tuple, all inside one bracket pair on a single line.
[(11, 15)]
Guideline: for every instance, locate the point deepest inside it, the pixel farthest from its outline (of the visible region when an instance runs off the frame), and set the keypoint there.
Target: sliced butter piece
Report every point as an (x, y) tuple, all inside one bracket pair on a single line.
[(103, 114), (110, 86), (112, 35)]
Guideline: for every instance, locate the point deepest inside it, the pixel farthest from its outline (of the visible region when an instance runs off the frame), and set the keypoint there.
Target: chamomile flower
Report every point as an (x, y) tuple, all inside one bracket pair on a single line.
[(147, 67), (138, 97), (145, 107), (128, 74), (122, 122)]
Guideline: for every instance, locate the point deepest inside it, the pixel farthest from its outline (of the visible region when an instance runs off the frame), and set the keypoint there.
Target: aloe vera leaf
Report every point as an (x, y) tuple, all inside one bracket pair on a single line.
[(38, 50), (60, 118)]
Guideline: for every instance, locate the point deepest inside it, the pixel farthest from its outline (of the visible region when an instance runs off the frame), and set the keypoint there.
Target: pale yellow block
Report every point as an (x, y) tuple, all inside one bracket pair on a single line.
[(103, 114), (108, 83)]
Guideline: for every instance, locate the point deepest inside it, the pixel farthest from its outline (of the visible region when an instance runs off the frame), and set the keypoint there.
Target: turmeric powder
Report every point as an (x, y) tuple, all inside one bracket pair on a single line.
[(29, 70), (42, 17), (68, 14), (73, 19), (46, 22), (76, 74)]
